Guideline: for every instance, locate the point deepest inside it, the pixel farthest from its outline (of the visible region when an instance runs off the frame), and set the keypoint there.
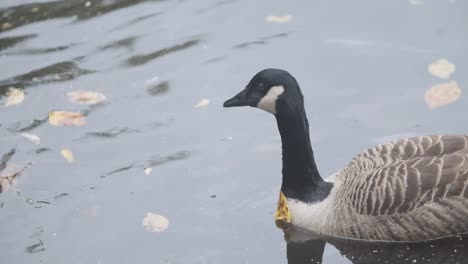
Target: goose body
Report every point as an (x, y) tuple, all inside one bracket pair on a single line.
[(412, 189)]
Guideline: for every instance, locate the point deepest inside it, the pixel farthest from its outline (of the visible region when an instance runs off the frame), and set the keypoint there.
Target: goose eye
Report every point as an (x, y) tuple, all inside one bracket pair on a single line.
[(262, 87)]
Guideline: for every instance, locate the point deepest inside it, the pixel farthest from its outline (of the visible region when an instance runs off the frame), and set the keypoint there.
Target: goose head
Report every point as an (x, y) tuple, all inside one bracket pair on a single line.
[(273, 90)]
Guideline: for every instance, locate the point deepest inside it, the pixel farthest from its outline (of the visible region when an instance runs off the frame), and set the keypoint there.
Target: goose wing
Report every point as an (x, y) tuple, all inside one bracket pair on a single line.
[(402, 175)]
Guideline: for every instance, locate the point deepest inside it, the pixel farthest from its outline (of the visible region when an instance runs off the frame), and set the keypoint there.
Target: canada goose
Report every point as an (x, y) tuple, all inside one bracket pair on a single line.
[(411, 189)]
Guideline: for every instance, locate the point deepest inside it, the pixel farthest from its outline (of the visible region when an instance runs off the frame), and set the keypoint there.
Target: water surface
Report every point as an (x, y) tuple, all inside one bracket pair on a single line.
[(216, 172)]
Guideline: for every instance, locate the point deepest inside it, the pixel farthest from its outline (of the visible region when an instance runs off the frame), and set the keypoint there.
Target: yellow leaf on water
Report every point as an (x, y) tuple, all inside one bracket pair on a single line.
[(31, 137), (155, 222), (65, 118), (442, 94), (15, 96), (279, 19), (202, 103), (441, 68), (85, 97), (148, 171), (68, 155)]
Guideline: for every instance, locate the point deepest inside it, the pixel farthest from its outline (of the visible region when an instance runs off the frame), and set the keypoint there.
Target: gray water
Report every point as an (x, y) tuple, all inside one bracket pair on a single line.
[(362, 66)]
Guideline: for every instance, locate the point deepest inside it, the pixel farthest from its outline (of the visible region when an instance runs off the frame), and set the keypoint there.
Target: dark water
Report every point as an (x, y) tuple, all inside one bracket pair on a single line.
[(216, 172)]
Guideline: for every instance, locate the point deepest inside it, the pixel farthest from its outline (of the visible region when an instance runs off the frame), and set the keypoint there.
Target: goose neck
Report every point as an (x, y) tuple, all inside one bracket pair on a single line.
[(301, 178)]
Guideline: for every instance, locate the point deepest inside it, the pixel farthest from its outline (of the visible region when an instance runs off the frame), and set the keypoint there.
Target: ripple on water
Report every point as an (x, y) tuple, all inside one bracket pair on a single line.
[(138, 60), (155, 161), (62, 71), (260, 41), (24, 14), (127, 43), (8, 42)]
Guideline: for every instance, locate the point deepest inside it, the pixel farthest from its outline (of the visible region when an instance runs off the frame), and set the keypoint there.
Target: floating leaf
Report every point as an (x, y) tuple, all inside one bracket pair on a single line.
[(202, 103), (279, 19), (441, 68), (64, 118), (31, 137), (148, 170), (442, 94), (68, 155), (85, 97), (15, 96), (155, 222)]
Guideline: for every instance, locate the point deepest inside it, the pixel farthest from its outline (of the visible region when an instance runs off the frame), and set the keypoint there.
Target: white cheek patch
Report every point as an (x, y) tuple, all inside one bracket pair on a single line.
[(268, 102)]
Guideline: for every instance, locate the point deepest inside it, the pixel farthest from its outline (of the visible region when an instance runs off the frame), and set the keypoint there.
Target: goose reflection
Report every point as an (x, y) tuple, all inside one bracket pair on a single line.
[(304, 247)]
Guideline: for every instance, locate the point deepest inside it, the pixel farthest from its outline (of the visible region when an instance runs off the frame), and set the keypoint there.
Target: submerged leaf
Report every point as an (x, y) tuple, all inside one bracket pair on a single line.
[(441, 68), (202, 103), (442, 94), (15, 96), (85, 97), (64, 118), (68, 155), (279, 19), (31, 137), (155, 222)]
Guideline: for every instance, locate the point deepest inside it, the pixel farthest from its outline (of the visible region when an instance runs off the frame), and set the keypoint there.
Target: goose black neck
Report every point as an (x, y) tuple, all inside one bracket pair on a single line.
[(301, 178)]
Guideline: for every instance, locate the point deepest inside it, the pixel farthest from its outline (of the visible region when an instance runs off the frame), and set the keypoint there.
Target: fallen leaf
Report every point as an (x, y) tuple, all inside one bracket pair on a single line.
[(86, 97), (441, 68), (202, 103), (31, 137), (15, 96), (442, 94), (279, 19), (68, 155), (148, 171), (155, 222), (64, 118)]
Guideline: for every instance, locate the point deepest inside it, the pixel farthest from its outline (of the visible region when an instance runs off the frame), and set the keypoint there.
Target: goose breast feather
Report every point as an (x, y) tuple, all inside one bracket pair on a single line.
[(403, 175)]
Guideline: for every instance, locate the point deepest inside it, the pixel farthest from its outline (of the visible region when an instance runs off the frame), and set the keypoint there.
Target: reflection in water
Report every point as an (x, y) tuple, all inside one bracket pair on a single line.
[(25, 14), (127, 43), (158, 89), (181, 155), (6, 179), (111, 133), (261, 41), (20, 127), (135, 21), (138, 60), (35, 248), (449, 250), (41, 51), (119, 170), (9, 42), (307, 252), (5, 158), (62, 71)]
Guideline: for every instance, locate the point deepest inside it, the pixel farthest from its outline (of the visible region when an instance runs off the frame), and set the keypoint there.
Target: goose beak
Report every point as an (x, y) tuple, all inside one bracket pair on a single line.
[(239, 99)]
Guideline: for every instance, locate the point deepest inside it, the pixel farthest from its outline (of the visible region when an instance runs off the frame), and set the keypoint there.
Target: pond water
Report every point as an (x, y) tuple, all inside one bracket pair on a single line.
[(165, 68)]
